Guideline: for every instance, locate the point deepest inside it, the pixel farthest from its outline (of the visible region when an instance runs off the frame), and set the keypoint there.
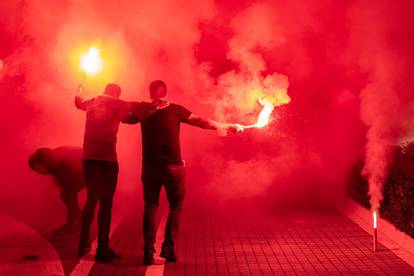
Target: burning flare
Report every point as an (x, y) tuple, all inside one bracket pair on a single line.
[(264, 115), (375, 234), (91, 61)]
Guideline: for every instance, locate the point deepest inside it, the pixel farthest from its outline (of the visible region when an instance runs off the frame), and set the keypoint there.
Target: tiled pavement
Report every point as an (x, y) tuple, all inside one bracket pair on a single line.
[(126, 239), (281, 244), (24, 252), (224, 242), (290, 243)]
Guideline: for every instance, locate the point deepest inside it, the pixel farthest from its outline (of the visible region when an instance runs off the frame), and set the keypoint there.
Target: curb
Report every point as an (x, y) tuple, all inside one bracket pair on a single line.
[(398, 242)]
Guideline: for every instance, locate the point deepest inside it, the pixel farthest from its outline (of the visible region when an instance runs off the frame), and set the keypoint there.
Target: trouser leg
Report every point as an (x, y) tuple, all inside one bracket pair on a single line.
[(107, 192), (70, 199), (152, 183), (91, 177), (175, 188)]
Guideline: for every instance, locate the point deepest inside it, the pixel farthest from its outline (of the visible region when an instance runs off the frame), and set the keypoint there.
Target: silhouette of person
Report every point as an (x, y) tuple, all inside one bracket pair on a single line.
[(104, 113), (64, 164), (162, 165)]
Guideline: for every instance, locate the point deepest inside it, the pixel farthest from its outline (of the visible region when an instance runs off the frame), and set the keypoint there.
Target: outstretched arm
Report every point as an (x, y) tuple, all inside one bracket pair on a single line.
[(194, 120)]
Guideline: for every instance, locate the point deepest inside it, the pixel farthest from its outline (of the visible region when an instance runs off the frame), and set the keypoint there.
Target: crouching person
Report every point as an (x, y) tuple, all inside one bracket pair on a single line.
[(64, 165)]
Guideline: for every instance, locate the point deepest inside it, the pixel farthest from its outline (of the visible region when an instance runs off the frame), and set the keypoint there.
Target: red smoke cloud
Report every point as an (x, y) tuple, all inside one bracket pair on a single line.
[(386, 98), (338, 62)]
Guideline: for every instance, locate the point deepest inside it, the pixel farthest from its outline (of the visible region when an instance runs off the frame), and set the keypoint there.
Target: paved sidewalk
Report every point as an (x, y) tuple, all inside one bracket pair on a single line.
[(25, 252), (234, 243), (289, 243), (292, 243)]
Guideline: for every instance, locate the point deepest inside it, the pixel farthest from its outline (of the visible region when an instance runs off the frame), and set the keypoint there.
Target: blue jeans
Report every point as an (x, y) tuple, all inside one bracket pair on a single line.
[(172, 177)]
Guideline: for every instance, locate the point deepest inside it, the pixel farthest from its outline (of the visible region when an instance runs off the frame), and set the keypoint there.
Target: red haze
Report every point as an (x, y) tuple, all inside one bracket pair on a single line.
[(345, 65)]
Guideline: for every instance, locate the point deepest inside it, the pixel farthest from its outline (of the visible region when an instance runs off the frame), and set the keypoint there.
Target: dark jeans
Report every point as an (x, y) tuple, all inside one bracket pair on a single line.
[(172, 177), (100, 178), (70, 199)]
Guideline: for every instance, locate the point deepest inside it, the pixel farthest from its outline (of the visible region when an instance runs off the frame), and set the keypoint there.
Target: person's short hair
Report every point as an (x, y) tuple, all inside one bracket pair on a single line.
[(154, 85), (39, 157), (113, 89)]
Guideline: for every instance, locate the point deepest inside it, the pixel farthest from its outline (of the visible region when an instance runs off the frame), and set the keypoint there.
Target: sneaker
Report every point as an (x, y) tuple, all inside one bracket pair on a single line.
[(148, 258), (106, 255), (167, 252)]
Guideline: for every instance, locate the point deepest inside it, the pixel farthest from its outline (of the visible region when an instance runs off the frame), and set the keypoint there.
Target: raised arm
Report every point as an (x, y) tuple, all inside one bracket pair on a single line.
[(80, 102)]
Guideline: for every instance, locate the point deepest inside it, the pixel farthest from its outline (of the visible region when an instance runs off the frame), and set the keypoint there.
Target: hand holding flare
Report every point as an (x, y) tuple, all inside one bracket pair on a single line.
[(91, 63), (262, 120)]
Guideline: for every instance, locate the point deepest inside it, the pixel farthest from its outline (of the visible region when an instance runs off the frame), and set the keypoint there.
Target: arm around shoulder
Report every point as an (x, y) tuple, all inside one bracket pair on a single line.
[(136, 112)]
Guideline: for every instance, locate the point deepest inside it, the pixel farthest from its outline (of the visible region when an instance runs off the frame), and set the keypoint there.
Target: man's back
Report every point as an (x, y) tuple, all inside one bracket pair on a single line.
[(67, 168), (161, 135), (103, 116)]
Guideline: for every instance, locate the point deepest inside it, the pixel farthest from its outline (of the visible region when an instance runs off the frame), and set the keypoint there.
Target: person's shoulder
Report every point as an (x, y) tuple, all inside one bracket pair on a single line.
[(108, 98), (176, 106), (139, 104), (180, 111), (89, 99), (181, 108), (112, 101)]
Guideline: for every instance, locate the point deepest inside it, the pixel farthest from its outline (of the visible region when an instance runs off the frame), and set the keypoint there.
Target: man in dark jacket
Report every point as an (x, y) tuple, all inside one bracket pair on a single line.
[(64, 164), (104, 113), (162, 165)]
